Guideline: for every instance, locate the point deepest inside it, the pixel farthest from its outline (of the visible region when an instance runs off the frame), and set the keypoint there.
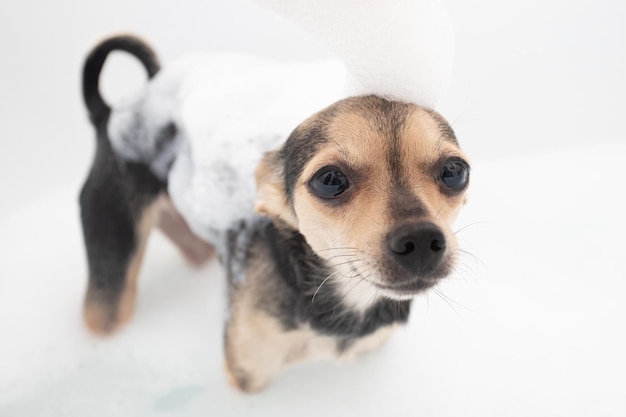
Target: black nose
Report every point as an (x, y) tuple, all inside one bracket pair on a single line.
[(418, 247)]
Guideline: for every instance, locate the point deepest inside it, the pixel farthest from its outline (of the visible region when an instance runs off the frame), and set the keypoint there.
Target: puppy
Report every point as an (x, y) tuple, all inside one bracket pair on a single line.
[(352, 217)]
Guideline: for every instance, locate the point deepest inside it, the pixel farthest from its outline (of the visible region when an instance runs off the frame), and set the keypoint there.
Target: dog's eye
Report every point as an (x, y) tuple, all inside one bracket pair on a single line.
[(455, 174), (329, 182)]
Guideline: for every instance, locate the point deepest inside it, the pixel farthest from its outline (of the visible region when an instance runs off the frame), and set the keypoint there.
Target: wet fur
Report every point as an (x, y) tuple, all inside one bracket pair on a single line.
[(303, 295)]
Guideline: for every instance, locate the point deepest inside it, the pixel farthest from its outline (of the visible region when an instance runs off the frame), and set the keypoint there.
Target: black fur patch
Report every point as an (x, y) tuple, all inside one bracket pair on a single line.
[(165, 137), (112, 201), (300, 147), (404, 204), (305, 302), (390, 119)]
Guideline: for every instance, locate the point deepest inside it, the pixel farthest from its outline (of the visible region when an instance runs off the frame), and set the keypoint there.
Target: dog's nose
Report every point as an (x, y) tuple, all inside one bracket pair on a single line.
[(418, 247)]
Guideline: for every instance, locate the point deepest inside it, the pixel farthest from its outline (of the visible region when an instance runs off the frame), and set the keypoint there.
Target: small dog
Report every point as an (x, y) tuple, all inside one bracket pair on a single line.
[(353, 219)]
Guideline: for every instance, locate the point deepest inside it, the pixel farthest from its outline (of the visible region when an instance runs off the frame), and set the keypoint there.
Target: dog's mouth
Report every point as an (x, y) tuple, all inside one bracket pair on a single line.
[(399, 289), (406, 290)]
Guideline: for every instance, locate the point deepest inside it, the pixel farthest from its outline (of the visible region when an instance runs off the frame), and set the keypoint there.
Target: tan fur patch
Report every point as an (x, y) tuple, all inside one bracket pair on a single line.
[(271, 200), (171, 223)]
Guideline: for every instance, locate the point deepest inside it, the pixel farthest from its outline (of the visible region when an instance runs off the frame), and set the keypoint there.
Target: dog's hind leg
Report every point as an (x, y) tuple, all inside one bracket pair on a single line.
[(172, 224), (119, 205)]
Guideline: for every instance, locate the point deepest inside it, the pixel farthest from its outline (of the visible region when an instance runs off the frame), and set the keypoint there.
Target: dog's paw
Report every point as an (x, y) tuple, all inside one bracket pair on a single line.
[(103, 318), (244, 382), (100, 321)]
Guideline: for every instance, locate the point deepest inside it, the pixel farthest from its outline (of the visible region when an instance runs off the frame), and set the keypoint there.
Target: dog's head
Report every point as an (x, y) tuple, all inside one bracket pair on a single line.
[(374, 186)]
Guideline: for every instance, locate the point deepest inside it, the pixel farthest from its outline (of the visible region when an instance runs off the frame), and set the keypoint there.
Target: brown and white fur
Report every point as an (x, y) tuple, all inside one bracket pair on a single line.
[(353, 220)]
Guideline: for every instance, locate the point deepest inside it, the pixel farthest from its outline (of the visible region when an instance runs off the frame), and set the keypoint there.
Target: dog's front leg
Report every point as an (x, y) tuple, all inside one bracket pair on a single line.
[(119, 204), (256, 349)]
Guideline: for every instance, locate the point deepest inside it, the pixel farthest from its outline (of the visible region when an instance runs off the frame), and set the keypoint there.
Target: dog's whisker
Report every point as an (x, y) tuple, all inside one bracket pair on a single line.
[(372, 219), (447, 302), (456, 121), (450, 301), (462, 273), (350, 261), (470, 225), (439, 211), (476, 258), (341, 256), (463, 267), (359, 275), (427, 303), (462, 264), (323, 282), (339, 248), (374, 297)]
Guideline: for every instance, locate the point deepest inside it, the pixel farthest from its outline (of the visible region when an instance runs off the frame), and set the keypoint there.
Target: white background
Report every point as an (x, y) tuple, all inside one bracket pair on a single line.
[(535, 327)]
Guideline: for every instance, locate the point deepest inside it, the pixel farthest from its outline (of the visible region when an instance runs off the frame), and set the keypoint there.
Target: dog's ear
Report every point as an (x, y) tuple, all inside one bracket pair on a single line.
[(271, 199)]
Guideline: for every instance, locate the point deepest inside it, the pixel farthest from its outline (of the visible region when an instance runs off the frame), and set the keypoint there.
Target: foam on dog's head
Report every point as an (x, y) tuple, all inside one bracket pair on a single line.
[(397, 49)]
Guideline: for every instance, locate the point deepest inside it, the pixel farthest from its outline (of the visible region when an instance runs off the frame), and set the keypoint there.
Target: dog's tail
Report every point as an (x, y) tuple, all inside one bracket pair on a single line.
[(98, 109)]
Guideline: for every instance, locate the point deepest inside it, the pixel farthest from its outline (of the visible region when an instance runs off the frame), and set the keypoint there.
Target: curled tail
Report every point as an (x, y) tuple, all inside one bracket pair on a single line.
[(98, 109)]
